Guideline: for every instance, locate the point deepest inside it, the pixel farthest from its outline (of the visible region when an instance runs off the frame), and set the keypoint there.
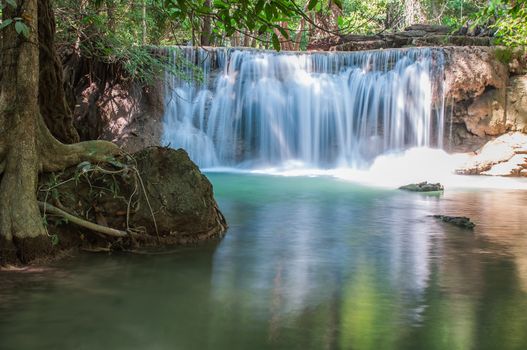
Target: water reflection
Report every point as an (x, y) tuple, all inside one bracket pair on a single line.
[(309, 263), (378, 264)]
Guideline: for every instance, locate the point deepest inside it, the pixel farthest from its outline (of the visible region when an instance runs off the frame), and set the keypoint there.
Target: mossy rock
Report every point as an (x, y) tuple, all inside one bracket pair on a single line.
[(423, 187), (180, 195), (460, 221), (170, 202)]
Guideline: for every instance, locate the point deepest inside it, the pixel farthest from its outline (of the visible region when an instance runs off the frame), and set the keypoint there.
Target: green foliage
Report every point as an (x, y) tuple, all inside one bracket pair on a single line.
[(5, 23), (504, 55), (54, 239), (365, 17), (508, 19), (455, 13), (20, 27)]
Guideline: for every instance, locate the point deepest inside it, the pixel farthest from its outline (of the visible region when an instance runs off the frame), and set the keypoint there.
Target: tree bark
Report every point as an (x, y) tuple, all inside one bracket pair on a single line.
[(413, 12), (26, 145), (143, 23), (206, 31), (19, 213), (52, 100)]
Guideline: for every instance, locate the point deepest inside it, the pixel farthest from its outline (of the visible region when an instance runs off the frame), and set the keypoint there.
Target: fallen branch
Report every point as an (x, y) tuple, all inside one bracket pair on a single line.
[(48, 208)]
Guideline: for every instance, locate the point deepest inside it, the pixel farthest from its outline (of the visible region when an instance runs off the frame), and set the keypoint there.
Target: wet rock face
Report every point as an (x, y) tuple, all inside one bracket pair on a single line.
[(496, 112)]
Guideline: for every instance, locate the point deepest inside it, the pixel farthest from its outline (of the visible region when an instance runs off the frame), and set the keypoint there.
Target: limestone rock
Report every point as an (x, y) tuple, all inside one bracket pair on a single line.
[(429, 28), (470, 70), (504, 156), (486, 115), (515, 166), (517, 103), (415, 35), (485, 102), (518, 61)]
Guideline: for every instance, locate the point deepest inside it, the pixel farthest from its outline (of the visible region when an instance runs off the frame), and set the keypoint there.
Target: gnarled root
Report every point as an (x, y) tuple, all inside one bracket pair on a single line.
[(30, 149), (57, 156), (48, 208)]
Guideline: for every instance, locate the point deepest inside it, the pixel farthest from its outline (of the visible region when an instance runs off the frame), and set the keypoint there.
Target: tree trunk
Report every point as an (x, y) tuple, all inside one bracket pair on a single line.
[(52, 100), (26, 144), (413, 12), (19, 213), (143, 23), (206, 31)]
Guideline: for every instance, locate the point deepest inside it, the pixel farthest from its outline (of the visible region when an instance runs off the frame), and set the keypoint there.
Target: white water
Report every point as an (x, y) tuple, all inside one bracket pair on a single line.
[(323, 110), (372, 117)]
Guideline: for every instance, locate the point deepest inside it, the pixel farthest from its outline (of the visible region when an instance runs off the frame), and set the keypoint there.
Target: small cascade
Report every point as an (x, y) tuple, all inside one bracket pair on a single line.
[(254, 109)]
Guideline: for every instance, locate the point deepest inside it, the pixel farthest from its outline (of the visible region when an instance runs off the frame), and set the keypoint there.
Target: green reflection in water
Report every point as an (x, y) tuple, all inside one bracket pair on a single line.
[(308, 263)]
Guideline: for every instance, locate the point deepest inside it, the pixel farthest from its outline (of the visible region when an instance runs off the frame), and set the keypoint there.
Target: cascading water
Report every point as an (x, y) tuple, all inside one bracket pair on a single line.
[(257, 109)]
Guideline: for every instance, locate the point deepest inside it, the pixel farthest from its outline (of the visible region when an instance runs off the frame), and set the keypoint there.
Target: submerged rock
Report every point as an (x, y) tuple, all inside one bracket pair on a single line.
[(460, 221), (423, 187)]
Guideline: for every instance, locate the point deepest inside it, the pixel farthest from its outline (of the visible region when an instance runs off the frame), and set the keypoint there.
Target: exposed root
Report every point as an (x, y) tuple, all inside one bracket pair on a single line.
[(147, 201), (57, 156), (61, 156), (46, 207), (138, 184)]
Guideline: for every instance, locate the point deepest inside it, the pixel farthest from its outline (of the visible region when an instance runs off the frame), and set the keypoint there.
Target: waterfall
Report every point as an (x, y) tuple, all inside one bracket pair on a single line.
[(251, 108)]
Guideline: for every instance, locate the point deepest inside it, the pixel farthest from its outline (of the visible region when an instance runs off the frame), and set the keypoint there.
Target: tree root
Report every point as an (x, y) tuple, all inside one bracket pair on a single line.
[(46, 207), (57, 156)]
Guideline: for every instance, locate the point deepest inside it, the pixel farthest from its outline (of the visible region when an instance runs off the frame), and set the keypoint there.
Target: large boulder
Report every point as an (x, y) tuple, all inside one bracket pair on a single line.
[(180, 195), (158, 195), (504, 156)]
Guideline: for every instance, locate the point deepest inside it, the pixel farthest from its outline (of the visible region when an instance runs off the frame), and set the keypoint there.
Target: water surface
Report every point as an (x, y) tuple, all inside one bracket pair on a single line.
[(308, 263)]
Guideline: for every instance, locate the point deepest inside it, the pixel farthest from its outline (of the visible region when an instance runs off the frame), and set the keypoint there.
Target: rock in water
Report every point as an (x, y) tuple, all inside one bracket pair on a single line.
[(169, 188), (460, 221), (423, 187), (180, 196)]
